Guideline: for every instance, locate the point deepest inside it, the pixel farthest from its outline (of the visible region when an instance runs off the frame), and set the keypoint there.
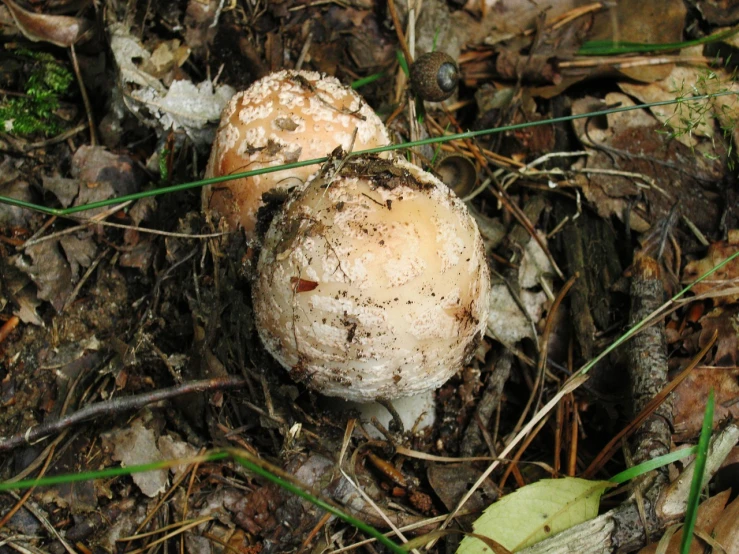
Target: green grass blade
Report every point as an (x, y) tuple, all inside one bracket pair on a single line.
[(403, 62), (290, 487), (359, 83), (655, 463), (699, 468), (107, 473), (316, 161), (609, 47)]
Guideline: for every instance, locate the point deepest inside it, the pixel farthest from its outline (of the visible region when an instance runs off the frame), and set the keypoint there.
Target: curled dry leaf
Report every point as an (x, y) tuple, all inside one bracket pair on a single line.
[(60, 30), (690, 399), (636, 169), (723, 284)]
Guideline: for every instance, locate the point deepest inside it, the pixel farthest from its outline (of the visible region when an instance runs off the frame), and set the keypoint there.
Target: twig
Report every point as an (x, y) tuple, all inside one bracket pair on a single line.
[(399, 31), (118, 405), (85, 97)]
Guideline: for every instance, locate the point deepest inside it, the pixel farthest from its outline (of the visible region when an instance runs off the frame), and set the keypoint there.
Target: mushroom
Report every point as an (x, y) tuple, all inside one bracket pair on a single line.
[(372, 282), (285, 117)]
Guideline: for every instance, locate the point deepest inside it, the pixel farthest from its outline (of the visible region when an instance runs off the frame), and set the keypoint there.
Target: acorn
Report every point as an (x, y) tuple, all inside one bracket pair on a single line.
[(434, 76)]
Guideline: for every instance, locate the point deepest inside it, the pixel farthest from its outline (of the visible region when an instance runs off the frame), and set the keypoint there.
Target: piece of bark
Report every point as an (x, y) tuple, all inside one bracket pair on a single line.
[(590, 249)]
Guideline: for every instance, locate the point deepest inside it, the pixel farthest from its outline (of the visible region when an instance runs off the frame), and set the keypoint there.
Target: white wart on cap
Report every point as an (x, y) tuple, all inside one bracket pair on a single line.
[(285, 117), (372, 283)]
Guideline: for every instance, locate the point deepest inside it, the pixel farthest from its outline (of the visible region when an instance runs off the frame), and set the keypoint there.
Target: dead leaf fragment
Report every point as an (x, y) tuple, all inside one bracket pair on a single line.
[(723, 284), (726, 531), (636, 170), (709, 512), (690, 399), (46, 267), (135, 446), (60, 30), (654, 22)]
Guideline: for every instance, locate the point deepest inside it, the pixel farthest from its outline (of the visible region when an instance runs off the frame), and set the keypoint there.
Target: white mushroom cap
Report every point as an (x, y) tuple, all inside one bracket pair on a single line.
[(285, 117), (372, 284)]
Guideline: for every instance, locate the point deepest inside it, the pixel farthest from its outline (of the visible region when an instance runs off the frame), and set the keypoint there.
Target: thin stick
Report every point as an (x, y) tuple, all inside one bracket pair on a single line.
[(85, 97), (119, 405), (399, 31)]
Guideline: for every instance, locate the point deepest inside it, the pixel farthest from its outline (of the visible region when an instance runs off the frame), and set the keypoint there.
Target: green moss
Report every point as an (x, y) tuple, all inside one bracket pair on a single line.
[(45, 80)]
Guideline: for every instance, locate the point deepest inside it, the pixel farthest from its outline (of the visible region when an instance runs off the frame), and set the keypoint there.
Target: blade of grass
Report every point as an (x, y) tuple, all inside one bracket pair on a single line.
[(290, 487), (654, 463), (109, 472), (697, 484), (609, 47), (316, 161), (242, 458), (367, 80)]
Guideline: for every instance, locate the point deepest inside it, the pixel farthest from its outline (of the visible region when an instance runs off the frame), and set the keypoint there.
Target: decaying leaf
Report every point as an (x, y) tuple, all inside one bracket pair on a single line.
[(183, 105), (709, 513), (186, 106), (60, 30), (535, 512), (46, 267), (723, 284), (506, 321), (639, 172), (726, 530), (137, 445), (690, 399)]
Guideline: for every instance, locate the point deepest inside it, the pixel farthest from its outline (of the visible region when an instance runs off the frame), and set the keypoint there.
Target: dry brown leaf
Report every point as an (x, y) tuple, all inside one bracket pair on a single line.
[(637, 170), (709, 513), (60, 30), (723, 283), (726, 531), (691, 394), (48, 268), (654, 22), (725, 322)]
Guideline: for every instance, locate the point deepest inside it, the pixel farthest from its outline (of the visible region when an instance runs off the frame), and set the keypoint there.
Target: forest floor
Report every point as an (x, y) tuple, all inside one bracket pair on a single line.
[(127, 331)]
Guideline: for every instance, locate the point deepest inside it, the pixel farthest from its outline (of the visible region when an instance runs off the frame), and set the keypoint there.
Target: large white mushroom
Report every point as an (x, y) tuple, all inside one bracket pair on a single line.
[(285, 117), (372, 283)]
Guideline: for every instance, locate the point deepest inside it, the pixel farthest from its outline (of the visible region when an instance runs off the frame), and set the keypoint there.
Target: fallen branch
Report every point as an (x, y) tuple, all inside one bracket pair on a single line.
[(116, 406)]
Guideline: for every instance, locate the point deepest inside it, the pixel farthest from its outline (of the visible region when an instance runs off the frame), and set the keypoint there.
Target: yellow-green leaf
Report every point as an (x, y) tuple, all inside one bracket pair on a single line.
[(535, 512)]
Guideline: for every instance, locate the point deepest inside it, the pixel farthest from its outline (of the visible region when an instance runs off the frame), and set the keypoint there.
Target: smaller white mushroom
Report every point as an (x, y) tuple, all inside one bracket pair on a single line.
[(372, 282), (285, 117)]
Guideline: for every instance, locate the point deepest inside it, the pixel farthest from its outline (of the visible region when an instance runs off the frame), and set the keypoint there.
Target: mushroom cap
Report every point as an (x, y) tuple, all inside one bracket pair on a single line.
[(372, 283), (285, 117)]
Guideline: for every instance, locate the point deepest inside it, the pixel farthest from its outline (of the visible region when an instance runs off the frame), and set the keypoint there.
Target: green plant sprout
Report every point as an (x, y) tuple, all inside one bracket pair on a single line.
[(61, 212), (33, 113)]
